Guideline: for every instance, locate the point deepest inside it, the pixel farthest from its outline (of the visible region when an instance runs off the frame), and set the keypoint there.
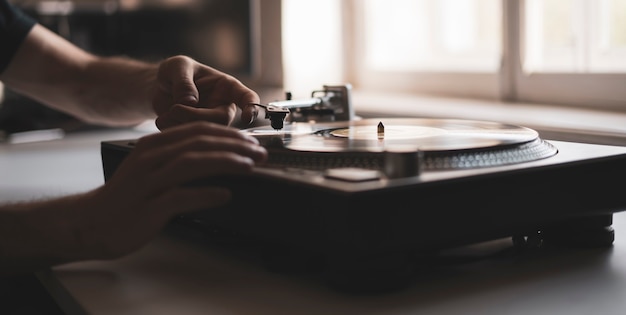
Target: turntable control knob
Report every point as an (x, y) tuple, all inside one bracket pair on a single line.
[(402, 162)]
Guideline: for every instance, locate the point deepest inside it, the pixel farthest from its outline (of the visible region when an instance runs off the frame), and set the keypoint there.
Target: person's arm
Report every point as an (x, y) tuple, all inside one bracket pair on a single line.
[(146, 191), (111, 91), (121, 91)]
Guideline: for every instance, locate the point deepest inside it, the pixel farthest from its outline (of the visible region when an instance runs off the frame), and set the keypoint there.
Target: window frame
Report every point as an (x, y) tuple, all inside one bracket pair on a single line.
[(602, 91)]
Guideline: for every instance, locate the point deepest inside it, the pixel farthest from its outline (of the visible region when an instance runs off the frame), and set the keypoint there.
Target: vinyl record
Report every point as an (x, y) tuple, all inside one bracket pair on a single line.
[(446, 143), (380, 134)]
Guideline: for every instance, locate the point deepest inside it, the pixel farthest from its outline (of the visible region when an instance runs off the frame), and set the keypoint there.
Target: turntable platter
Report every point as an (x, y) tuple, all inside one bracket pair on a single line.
[(445, 143)]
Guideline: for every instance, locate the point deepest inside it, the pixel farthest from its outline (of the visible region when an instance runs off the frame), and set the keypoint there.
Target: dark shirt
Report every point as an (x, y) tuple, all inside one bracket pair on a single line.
[(14, 26)]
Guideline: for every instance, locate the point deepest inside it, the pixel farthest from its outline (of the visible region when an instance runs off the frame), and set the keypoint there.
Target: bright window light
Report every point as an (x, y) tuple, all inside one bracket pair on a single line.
[(433, 35), (312, 47), (581, 36)]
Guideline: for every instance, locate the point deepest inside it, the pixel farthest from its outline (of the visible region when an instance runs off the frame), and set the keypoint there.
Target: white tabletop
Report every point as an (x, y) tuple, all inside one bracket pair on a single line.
[(174, 276)]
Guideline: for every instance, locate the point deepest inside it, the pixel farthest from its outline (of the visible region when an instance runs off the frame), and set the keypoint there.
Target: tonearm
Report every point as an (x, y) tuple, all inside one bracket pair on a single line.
[(332, 103)]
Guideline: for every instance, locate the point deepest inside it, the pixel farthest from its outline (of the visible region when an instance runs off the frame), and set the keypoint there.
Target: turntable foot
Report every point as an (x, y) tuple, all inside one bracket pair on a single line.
[(585, 238), (586, 232)]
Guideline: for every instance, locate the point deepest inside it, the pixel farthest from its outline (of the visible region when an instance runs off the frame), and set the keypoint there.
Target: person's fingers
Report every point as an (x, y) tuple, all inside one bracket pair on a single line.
[(227, 89), (178, 73), (197, 168), (183, 81), (148, 178), (181, 114), (189, 152), (249, 113), (157, 158), (175, 134), (246, 100), (185, 91)]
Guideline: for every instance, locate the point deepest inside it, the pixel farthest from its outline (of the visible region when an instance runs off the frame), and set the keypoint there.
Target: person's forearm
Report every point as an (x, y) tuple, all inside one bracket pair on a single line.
[(36, 235), (118, 91), (111, 91)]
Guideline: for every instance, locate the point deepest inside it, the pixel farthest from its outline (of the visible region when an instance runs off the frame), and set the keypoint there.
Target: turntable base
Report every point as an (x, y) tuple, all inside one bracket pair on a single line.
[(371, 234)]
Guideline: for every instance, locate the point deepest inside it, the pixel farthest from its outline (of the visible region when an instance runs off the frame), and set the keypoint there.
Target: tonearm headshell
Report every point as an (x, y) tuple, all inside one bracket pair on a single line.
[(332, 103)]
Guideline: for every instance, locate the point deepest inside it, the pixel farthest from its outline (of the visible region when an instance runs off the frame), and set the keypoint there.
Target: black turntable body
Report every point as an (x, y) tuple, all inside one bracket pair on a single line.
[(368, 196), (432, 210)]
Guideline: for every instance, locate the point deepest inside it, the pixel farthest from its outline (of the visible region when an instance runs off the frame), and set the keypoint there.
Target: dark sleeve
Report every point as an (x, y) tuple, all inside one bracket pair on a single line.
[(14, 26)]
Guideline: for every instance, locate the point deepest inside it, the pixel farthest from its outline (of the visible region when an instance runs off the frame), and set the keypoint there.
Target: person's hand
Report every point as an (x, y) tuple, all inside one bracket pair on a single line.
[(190, 91), (148, 188)]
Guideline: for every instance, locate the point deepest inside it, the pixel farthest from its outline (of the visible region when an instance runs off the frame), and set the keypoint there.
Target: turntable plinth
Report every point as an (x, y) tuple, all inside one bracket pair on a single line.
[(477, 181)]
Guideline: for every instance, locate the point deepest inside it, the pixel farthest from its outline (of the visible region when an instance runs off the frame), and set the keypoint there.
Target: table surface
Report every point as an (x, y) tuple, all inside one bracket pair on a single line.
[(171, 275)]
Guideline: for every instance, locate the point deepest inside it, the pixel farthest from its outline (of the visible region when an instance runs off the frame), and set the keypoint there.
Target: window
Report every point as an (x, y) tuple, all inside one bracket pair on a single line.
[(575, 36), (574, 53), (549, 51), (444, 35), (569, 52)]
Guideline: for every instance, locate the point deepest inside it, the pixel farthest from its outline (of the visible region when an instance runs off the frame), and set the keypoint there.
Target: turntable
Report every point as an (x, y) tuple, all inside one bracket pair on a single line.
[(366, 199)]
